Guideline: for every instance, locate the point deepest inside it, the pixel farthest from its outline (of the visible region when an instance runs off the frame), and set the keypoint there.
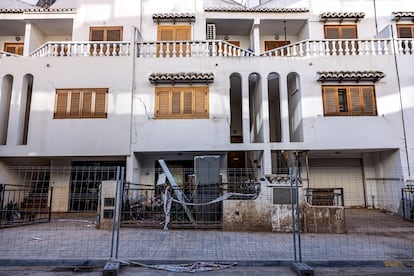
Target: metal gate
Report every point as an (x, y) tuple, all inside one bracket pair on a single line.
[(407, 200), (185, 198), (24, 205)]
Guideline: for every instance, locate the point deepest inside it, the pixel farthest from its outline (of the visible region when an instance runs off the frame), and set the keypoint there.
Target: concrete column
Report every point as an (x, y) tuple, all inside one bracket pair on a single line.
[(256, 37), (108, 202), (60, 181)]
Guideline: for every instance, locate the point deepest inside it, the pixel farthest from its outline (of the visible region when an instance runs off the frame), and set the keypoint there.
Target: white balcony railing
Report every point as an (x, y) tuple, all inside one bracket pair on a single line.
[(167, 49), (334, 47), (7, 54), (219, 48), (88, 48), (404, 46)]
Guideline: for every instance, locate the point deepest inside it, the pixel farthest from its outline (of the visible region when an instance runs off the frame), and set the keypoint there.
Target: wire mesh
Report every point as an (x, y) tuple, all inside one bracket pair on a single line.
[(32, 231), (370, 225)]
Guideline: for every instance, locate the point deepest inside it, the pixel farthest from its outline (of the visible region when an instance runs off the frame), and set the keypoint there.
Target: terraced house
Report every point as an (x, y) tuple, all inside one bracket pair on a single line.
[(251, 88)]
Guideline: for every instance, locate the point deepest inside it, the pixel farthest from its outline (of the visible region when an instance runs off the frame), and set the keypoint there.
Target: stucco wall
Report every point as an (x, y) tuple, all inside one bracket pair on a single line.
[(323, 219)]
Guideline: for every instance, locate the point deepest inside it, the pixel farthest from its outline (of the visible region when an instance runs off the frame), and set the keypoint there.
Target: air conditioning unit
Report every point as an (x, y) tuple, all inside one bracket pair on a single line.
[(211, 31)]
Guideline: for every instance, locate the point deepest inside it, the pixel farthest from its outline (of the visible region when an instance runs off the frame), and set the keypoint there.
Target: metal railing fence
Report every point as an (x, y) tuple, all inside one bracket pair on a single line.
[(369, 230)]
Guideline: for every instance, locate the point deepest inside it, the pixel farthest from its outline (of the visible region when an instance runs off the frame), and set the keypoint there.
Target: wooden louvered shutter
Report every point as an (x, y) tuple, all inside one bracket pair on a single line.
[(163, 105), (11, 49), (61, 104), (201, 101), (182, 33), (87, 104), (175, 103), (332, 32), (114, 35), (75, 98), (355, 100), (369, 101), (405, 31), (97, 35), (165, 34), (100, 103), (348, 32), (330, 101), (188, 102)]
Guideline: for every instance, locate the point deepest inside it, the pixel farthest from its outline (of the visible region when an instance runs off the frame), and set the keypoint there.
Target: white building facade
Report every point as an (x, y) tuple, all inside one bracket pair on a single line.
[(262, 85)]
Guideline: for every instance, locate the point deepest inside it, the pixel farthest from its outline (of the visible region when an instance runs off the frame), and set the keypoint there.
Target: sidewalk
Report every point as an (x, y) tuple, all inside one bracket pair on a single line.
[(235, 271)]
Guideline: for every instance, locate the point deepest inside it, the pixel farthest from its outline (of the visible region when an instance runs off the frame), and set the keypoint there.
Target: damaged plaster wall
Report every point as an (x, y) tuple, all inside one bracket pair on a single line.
[(323, 219), (249, 215)]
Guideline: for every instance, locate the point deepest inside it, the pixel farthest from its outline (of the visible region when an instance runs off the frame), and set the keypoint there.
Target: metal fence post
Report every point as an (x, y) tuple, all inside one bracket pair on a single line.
[(292, 204), (113, 241), (119, 213), (50, 203)]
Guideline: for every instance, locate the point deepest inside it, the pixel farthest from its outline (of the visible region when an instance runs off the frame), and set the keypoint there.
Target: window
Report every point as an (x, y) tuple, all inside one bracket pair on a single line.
[(105, 34), (405, 30), (349, 100), (173, 33), (340, 31), (14, 48), (181, 102), (81, 103), (270, 45)]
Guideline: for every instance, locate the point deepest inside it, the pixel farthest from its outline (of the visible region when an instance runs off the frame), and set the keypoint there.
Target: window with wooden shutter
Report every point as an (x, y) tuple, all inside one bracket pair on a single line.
[(349, 100), (174, 33), (330, 100), (14, 48), (111, 33), (341, 32), (81, 103), (405, 30), (181, 102)]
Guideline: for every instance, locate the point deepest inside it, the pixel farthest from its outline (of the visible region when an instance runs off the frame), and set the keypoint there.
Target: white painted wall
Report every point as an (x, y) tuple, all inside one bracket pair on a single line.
[(111, 136), (71, 137)]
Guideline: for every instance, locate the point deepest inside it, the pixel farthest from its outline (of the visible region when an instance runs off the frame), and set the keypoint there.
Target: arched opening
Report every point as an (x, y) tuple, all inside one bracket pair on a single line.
[(5, 99), (255, 108), (295, 108), (236, 119), (26, 99), (273, 90)]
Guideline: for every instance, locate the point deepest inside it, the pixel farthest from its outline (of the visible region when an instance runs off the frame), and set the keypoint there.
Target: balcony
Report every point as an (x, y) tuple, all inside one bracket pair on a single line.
[(208, 48), (220, 48), (334, 47), (83, 48)]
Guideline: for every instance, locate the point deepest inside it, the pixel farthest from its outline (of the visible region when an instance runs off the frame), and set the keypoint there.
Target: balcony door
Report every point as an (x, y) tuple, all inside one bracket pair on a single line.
[(14, 48)]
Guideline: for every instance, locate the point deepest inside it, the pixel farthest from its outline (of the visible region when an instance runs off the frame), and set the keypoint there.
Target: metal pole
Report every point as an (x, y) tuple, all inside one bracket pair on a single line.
[(50, 203), (293, 213), (121, 197), (115, 210), (298, 212)]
